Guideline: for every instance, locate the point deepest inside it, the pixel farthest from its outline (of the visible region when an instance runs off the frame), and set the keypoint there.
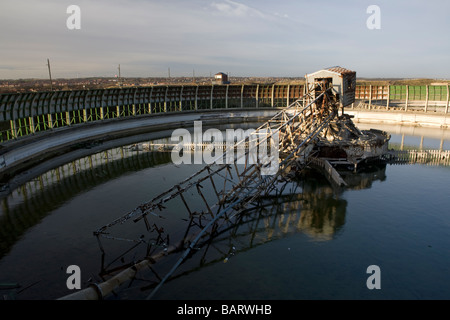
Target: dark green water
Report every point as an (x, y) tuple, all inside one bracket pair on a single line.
[(317, 245)]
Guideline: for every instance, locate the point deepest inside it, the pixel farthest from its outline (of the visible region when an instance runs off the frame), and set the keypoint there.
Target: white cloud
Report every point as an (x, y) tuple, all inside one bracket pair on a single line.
[(236, 9), (282, 15)]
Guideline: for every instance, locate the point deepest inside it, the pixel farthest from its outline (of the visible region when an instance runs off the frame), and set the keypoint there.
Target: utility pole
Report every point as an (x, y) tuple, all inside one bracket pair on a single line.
[(50, 75), (169, 73), (193, 75)]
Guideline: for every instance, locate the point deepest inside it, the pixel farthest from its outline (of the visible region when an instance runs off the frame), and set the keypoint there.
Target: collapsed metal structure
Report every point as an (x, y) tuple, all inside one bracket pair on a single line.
[(215, 196), (237, 186)]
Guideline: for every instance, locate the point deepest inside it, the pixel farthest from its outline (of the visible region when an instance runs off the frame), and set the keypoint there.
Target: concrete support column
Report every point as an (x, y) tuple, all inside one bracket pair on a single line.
[(133, 108), (388, 96), (165, 99), (102, 103), (31, 124), (407, 94), (287, 95), (196, 98), (226, 97), (13, 127), (257, 95), (84, 115), (212, 95), (272, 96), (50, 121), (448, 96), (68, 121), (181, 99), (150, 101)]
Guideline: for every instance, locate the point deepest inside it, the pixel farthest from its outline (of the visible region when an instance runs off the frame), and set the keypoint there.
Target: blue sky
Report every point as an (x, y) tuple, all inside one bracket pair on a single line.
[(243, 38)]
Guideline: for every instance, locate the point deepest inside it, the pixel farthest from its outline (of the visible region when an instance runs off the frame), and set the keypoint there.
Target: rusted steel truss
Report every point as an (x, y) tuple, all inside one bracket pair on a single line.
[(214, 197)]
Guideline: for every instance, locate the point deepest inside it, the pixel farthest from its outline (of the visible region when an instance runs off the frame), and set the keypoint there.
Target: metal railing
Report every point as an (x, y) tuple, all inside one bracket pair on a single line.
[(29, 113), (25, 114)]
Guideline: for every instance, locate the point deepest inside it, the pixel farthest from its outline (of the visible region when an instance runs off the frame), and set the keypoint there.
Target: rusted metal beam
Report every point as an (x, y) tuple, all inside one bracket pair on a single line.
[(296, 127)]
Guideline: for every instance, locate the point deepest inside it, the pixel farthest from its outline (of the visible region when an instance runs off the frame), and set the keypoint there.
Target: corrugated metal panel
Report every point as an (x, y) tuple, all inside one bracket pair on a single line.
[(336, 69), (340, 70)]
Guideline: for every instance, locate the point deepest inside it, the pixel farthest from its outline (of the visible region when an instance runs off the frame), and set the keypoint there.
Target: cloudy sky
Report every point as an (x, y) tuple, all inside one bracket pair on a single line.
[(242, 37)]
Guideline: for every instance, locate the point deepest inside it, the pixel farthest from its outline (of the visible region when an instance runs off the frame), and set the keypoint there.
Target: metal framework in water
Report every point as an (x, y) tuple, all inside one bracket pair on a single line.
[(215, 197), (235, 187)]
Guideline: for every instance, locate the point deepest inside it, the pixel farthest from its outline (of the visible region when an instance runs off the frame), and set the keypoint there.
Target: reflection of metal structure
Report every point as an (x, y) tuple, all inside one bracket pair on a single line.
[(308, 205), (269, 218)]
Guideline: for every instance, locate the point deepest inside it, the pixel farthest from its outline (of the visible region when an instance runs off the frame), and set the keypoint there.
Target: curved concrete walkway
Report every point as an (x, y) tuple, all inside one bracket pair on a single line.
[(19, 155), (410, 118), (29, 156)]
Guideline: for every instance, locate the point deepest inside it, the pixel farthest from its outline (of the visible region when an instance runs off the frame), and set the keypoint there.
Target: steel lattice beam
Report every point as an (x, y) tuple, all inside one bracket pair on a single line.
[(234, 190)]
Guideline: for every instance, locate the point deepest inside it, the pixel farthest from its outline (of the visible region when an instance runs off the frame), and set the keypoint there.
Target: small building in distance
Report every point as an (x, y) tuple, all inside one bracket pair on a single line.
[(221, 78)]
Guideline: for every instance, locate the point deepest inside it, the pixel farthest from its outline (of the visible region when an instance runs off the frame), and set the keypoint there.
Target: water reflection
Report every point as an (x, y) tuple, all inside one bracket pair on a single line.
[(404, 137), (317, 208), (310, 205), (33, 201)]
